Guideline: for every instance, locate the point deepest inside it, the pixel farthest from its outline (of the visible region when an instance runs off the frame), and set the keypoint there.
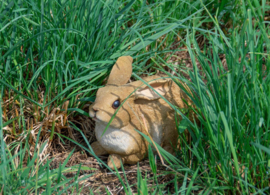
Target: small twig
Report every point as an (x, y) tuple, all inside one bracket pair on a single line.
[(120, 190), (204, 171), (121, 172), (89, 163), (109, 189)]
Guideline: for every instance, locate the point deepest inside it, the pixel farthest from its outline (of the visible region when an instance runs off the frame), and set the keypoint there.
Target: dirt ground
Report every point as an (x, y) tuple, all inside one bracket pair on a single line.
[(103, 180)]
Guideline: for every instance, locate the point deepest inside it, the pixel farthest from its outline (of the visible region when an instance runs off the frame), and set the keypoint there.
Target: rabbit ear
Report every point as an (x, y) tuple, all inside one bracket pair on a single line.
[(145, 92), (121, 71)]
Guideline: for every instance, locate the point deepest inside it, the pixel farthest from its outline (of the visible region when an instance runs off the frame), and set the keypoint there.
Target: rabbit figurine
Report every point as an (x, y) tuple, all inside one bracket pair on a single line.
[(121, 141)]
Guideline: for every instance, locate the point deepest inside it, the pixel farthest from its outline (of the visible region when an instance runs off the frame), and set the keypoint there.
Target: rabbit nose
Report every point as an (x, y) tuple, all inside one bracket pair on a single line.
[(95, 109)]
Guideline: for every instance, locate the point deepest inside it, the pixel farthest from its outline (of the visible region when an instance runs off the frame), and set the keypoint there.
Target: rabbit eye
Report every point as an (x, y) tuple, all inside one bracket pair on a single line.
[(116, 104)]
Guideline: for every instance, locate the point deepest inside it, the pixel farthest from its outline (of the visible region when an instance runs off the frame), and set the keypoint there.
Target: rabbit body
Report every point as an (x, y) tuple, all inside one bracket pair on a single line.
[(142, 109)]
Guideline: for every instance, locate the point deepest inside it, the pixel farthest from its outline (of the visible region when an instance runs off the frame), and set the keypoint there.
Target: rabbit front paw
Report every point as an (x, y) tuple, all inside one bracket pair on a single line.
[(114, 161)]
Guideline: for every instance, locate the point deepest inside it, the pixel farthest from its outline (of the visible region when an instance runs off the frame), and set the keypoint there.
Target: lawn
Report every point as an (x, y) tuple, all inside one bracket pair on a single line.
[(55, 54)]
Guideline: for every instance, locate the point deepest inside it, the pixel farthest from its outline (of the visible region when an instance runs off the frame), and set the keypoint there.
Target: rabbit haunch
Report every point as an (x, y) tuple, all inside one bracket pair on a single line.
[(142, 105)]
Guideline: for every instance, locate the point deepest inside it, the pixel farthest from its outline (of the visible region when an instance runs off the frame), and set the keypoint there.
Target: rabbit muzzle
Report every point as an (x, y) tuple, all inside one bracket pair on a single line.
[(93, 112)]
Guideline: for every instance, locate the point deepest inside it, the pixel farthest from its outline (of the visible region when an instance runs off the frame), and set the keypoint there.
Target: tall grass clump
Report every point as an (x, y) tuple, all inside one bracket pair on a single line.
[(230, 148)]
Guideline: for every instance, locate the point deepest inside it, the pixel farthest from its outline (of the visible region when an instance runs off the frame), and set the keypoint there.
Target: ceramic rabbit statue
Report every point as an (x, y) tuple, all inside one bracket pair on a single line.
[(121, 141)]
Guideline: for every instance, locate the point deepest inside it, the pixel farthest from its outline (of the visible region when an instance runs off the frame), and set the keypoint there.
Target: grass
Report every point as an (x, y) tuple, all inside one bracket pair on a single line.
[(55, 54)]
